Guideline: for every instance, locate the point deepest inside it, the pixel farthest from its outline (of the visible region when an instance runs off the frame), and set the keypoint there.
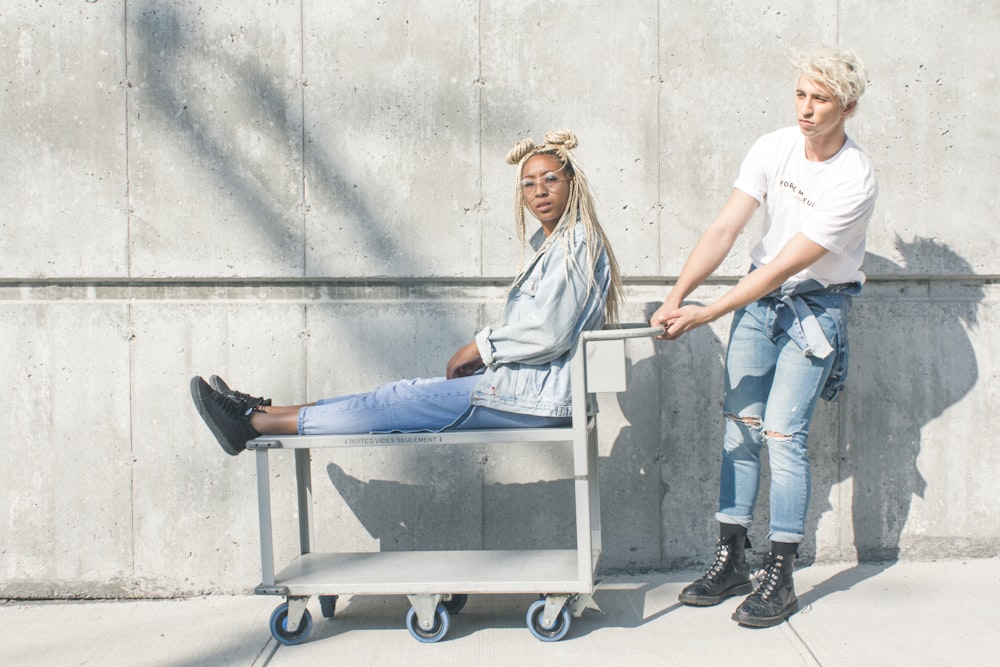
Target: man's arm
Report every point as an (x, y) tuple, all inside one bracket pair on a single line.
[(712, 248), (796, 255)]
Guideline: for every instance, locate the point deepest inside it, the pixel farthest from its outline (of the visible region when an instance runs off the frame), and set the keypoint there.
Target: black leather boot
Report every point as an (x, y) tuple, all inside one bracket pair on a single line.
[(729, 575), (774, 598)]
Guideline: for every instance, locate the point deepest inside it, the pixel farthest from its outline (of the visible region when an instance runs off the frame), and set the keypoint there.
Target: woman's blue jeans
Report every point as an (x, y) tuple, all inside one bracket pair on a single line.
[(434, 404), (771, 393)]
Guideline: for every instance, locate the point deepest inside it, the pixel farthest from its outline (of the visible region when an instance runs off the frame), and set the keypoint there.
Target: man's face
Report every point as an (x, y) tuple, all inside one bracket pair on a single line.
[(819, 112)]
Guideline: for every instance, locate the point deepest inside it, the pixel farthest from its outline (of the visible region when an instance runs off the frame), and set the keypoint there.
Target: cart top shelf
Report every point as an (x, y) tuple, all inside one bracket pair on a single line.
[(390, 439)]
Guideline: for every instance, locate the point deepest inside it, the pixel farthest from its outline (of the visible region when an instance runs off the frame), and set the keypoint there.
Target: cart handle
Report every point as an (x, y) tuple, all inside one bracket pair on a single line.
[(628, 330)]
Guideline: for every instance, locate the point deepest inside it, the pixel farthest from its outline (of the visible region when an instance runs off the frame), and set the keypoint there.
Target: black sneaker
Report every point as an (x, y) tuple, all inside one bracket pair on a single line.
[(227, 418), (248, 401)]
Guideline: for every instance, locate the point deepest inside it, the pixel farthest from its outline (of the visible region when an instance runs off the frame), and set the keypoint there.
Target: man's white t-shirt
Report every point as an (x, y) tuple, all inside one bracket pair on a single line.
[(830, 202)]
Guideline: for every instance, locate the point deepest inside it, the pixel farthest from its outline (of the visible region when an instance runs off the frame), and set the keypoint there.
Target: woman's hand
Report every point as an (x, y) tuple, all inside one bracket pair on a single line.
[(464, 362)]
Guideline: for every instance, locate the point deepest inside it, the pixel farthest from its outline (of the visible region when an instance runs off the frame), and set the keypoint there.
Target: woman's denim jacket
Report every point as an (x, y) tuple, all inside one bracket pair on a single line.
[(528, 356)]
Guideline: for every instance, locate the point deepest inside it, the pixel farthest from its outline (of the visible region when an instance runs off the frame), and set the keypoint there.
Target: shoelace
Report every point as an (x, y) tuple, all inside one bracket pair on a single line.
[(251, 402), (229, 406), (768, 577), (721, 558)]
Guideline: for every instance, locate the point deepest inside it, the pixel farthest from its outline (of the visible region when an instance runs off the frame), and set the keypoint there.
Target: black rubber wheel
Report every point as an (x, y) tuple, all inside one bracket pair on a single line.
[(454, 603), (435, 634), (559, 628), (279, 621), (328, 603)]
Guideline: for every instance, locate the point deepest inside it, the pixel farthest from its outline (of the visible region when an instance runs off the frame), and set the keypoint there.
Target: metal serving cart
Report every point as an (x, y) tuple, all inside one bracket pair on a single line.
[(438, 583)]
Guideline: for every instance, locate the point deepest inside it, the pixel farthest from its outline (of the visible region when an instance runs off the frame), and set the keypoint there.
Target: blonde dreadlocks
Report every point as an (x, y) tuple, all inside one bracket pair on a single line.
[(580, 207)]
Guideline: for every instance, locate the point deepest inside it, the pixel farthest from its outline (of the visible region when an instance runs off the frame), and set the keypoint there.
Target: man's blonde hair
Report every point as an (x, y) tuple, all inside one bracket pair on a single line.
[(579, 207), (842, 72)]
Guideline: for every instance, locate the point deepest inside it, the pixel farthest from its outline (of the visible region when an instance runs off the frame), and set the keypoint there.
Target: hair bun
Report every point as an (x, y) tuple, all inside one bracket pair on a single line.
[(564, 138), (520, 149)]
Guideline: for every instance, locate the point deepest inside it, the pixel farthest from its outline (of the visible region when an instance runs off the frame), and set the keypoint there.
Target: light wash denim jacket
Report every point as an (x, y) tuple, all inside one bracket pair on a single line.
[(795, 307), (528, 356)]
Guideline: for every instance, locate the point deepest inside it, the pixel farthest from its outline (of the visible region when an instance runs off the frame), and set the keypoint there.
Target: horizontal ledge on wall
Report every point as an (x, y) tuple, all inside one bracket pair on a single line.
[(363, 289)]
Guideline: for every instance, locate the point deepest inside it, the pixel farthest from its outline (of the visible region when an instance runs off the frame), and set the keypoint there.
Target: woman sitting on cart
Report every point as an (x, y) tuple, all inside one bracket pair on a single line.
[(513, 375)]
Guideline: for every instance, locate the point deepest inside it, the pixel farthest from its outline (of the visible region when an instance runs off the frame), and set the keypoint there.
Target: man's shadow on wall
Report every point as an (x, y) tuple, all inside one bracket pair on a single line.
[(908, 364), (912, 360)]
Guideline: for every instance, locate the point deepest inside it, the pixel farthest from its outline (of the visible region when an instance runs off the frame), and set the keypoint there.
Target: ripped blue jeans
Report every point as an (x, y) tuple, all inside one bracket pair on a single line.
[(771, 393)]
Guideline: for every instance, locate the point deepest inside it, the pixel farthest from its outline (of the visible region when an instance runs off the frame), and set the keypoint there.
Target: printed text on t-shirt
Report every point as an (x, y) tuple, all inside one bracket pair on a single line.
[(798, 193)]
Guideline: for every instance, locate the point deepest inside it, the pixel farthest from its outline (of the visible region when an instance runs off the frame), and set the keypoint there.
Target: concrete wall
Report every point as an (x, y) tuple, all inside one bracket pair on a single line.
[(310, 197)]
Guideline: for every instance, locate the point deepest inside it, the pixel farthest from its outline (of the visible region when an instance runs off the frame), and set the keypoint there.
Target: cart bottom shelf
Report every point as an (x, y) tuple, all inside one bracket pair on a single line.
[(422, 572)]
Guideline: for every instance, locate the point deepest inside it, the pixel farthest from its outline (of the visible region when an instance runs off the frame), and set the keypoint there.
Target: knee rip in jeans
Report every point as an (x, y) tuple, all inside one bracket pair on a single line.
[(757, 423)]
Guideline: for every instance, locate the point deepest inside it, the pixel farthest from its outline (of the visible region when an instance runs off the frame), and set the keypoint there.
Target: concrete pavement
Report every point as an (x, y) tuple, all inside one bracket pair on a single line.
[(918, 613)]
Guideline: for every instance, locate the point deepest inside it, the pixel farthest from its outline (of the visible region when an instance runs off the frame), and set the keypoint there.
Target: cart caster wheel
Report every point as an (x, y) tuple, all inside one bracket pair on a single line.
[(454, 603), (554, 633), (441, 623), (279, 622), (328, 603)]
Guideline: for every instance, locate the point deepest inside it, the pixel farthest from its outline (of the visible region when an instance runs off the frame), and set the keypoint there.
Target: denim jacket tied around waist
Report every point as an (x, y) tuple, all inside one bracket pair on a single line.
[(550, 304), (796, 304)]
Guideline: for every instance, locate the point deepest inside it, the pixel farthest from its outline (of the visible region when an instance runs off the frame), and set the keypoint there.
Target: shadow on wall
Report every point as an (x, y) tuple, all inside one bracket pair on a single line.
[(663, 468), (470, 514), (913, 359), (164, 59)]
